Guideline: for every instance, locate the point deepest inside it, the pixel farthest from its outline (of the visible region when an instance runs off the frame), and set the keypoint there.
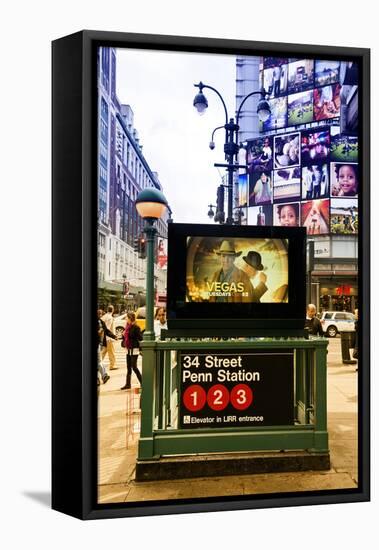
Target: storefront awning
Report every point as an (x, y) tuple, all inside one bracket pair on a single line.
[(118, 287), (332, 273)]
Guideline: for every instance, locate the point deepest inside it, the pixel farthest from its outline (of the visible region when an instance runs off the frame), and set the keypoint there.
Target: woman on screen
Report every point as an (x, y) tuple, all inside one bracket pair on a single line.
[(262, 192)]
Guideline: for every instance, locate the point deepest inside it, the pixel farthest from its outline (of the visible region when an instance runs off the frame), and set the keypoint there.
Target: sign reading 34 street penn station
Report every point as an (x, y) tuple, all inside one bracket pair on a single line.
[(236, 388)]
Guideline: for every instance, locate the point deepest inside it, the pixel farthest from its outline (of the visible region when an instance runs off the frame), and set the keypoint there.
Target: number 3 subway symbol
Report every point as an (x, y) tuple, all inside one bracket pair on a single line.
[(241, 397)]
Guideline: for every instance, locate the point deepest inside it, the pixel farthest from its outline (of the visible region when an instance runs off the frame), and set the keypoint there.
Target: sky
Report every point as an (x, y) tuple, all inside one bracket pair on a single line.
[(159, 87)]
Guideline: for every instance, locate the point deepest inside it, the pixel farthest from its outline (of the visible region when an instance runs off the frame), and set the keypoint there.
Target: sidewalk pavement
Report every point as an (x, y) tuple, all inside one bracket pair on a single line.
[(119, 421)]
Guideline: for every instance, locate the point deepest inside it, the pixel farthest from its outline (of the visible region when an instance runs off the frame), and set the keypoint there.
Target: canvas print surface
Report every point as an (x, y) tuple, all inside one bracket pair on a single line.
[(296, 163)]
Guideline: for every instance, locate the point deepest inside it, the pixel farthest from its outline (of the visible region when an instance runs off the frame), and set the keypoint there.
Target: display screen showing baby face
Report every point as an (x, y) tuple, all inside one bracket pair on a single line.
[(288, 216), (347, 180)]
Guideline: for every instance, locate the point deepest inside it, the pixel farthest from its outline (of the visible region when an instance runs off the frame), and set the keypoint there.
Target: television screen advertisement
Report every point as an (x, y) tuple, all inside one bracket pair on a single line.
[(260, 215), (233, 273), (315, 216), (326, 72), (315, 145), (278, 114), (287, 184), (344, 148), (287, 214), (300, 108), (237, 270), (260, 188), (344, 216), (344, 179), (300, 75), (327, 102), (260, 155)]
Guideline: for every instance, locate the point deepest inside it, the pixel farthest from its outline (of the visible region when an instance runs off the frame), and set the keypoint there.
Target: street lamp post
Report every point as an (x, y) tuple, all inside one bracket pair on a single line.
[(210, 211), (150, 204), (231, 146)]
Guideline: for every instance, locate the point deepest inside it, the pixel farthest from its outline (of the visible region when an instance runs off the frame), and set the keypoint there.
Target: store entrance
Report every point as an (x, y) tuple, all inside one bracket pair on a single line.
[(338, 302)]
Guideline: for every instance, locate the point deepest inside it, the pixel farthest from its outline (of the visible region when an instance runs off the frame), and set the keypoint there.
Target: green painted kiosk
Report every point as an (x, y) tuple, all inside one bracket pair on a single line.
[(235, 385)]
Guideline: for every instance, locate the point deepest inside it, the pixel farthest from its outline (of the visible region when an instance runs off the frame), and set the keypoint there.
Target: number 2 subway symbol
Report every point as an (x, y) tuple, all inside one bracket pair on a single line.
[(218, 397)]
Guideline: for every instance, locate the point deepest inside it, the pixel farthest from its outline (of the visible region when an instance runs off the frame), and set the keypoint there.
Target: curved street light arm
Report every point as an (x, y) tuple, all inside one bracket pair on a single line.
[(262, 93), (201, 86), (215, 130)]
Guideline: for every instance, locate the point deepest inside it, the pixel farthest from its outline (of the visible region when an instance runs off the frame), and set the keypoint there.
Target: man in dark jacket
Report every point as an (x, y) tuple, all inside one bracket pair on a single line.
[(312, 323)]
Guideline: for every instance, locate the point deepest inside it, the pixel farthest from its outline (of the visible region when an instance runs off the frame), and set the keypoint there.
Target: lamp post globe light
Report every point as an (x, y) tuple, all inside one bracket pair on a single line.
[(231, 145), (151, 205), (210, 211)]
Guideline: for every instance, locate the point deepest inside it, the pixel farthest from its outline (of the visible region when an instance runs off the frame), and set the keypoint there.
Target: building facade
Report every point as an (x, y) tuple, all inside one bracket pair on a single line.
[(123, 172), (332, 258)]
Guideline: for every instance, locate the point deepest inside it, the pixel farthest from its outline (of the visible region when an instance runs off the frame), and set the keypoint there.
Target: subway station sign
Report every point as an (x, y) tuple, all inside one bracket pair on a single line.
[(236, 388)]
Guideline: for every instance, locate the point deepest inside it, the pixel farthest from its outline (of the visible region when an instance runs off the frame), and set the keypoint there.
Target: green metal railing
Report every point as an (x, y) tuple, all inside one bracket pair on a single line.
[(160, 399)]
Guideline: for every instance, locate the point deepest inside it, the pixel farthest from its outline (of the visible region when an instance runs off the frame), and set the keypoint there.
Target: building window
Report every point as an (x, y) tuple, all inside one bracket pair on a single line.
[(103, 155), (104, 131), (101, 240), (105, 67), (104, 110)]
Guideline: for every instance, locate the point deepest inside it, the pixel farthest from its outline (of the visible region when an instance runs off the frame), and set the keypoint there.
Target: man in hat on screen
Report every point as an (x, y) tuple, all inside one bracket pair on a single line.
[(229, 284), (253, 264)]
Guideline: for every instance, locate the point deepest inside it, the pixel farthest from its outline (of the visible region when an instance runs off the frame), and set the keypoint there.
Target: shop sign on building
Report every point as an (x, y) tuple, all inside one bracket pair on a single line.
[(322, 249)]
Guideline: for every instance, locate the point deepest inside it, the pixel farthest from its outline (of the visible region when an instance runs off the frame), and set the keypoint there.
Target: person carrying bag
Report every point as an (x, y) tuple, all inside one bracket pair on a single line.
[(131, 343)]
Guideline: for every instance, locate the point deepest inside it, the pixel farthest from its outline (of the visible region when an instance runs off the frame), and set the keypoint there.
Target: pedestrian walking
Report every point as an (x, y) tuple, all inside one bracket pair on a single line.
[(131, 342), (313, 323), (102, 334), (109, 323)]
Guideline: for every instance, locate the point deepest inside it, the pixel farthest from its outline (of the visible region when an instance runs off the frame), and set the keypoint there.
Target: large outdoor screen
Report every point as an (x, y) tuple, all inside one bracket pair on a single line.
[(308, 149), (241, 270), (236, 272)]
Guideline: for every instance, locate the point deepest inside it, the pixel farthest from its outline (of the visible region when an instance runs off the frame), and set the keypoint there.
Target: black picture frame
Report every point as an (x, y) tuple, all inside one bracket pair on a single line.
[(74, 404)]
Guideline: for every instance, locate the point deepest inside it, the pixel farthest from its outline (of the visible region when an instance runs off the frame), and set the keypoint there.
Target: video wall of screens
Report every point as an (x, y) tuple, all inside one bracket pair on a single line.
[(304, 178), (302, 91), (304, 168)]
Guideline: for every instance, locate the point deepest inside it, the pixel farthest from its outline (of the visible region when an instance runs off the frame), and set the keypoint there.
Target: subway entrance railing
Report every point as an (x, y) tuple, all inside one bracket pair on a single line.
[(287, 381)]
